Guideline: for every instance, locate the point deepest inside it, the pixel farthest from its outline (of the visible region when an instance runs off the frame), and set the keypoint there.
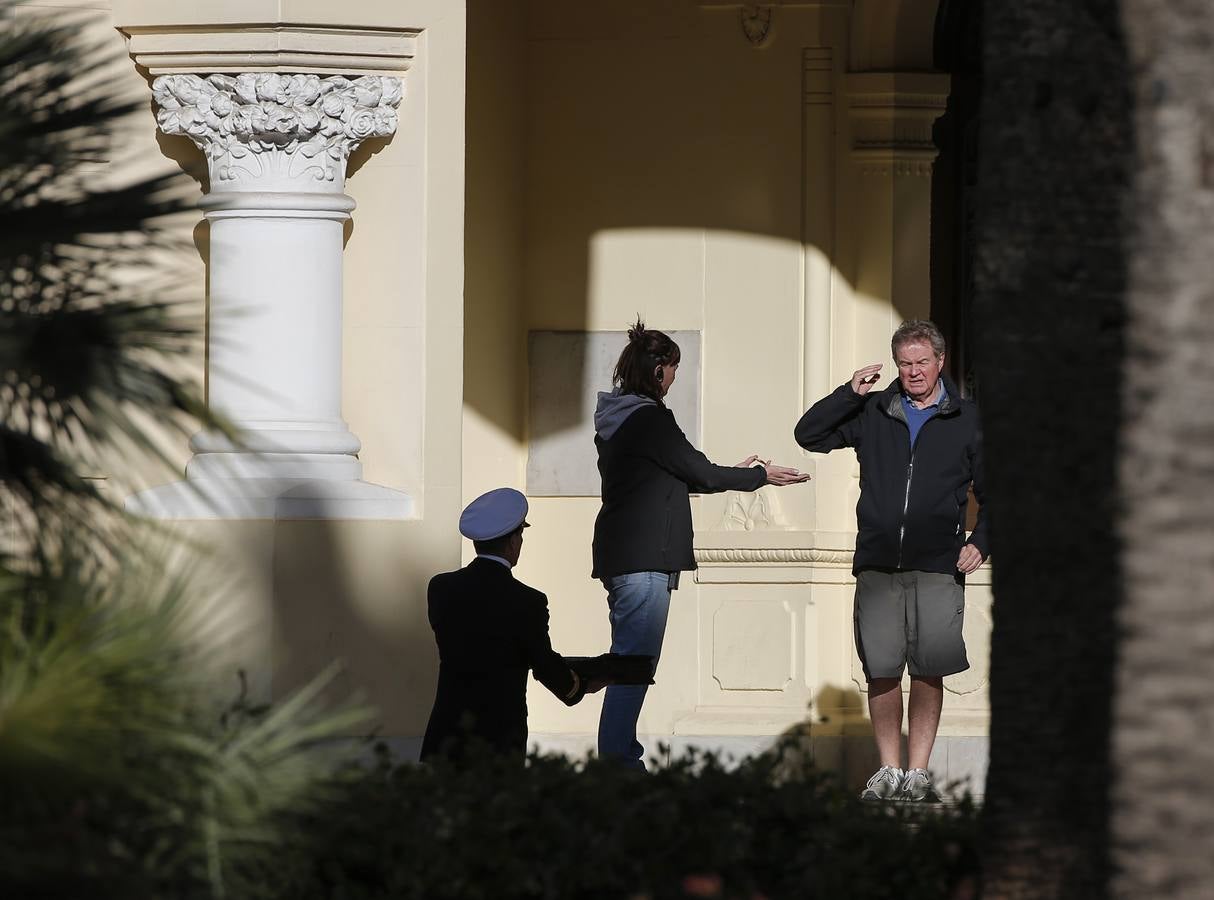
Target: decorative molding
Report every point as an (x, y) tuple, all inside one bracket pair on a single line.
[(756, 19), (774, 555), (270, 47), (977, 629), (817, 81), (819, 183), (891, 116), (276, 146), (756, 23), (883, 161), (266, 131), (742, 657), (747, 512)]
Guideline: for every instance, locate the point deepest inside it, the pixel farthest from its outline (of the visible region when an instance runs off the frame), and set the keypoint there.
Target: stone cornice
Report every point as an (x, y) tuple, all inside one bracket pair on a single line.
[(836, 560), (776, 547), (891, 116), (267, 131), (756, 17), (270, 47)]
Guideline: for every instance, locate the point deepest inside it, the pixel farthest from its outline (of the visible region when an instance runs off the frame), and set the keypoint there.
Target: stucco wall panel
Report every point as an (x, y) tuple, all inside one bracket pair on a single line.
[(318, 591)]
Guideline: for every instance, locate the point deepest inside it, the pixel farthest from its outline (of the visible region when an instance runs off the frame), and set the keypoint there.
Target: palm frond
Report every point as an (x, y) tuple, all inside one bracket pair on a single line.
[(110, 727), (52, 110), (88, 338)]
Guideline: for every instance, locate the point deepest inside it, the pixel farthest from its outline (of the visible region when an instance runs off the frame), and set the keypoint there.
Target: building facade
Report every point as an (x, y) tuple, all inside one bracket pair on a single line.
[(425, 226)]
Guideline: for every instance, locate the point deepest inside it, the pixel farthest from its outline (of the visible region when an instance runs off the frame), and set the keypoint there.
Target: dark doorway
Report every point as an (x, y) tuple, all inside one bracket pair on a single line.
[(958, 51)]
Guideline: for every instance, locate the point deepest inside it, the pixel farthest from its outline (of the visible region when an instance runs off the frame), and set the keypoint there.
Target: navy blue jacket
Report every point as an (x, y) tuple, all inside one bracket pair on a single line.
[(911, 512)]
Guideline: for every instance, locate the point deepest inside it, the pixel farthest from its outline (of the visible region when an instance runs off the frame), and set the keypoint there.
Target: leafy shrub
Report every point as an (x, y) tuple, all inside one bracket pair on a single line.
[(122, 772), (773, 827)]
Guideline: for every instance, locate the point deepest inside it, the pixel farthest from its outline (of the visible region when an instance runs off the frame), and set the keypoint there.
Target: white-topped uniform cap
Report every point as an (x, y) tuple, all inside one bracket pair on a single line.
[(493, 514)]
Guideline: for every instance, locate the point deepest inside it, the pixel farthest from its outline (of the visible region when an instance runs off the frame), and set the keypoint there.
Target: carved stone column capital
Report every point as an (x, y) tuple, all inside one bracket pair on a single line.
[(277, 146), (266, 131)]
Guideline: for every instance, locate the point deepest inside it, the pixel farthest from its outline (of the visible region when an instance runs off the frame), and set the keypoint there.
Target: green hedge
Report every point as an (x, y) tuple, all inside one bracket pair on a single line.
[(772, 827)]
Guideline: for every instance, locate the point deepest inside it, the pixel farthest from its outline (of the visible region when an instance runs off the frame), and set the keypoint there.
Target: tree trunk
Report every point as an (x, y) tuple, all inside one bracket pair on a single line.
[(1163, 715), (1054, 172)]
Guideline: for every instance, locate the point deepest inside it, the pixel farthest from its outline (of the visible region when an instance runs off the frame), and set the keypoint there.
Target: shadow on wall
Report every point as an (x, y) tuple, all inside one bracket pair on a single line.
[(595, 185), (357, 590), (308, 593)]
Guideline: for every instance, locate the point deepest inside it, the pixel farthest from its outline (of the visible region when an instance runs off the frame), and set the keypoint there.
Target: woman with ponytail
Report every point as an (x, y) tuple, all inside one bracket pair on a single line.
[(643, 536)]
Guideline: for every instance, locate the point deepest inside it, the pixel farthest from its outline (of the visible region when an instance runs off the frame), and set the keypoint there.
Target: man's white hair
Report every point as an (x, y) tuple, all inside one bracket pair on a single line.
[(917, 330)]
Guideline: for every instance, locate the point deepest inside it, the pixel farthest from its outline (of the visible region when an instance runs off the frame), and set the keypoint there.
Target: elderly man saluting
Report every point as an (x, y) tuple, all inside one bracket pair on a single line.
[(491, 630), (920, 447)]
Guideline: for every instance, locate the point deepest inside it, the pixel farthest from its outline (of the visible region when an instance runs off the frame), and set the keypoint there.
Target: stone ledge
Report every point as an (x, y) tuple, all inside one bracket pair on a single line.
[(270, 47), (784, 557)]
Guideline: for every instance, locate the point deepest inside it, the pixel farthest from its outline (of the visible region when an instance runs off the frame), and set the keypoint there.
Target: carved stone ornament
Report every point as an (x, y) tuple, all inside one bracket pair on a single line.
[(746, 512), (260, 128), (756, 23), (774, 556)]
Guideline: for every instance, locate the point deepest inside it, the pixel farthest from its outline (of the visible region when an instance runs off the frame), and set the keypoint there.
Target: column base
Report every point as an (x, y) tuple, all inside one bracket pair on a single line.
[(270, 498)]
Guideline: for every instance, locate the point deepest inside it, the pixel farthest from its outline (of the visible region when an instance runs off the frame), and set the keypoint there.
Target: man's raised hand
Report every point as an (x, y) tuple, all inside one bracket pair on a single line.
[(862, 380)]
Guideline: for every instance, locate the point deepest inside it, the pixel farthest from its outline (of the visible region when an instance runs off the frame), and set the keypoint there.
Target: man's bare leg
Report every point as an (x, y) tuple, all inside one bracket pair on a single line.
[(885, 710), (926, 701)]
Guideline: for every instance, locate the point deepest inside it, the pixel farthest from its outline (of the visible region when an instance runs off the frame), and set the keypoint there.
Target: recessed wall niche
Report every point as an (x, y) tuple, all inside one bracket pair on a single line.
[(566, 370)]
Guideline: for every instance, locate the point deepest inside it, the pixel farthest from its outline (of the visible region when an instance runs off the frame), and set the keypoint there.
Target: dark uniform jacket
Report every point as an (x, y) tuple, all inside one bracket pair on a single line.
[(491, 630), (911, 512), (649, 469)]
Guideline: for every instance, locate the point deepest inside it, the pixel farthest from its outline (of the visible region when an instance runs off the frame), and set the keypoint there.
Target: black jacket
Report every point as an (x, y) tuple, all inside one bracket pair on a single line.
[(911, 513), (490, 629), (649, 469)]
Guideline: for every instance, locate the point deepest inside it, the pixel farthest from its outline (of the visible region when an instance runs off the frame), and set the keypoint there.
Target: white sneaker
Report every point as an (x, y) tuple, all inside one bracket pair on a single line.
[(885, 784), (917, 787)]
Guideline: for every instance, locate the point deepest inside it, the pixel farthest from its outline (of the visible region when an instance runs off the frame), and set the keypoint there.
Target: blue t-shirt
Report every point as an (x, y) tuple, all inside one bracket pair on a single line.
[(915, 417)]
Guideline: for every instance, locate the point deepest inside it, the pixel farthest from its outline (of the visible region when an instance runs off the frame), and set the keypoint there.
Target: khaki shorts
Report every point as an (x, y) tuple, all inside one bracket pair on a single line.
[(909, 620)]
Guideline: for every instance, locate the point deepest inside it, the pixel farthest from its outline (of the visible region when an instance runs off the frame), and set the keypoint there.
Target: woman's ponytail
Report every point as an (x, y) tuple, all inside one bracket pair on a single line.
[(646, 351)]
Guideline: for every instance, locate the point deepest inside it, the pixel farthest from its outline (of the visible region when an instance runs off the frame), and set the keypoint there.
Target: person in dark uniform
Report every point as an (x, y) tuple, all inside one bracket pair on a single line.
[(491, 630)]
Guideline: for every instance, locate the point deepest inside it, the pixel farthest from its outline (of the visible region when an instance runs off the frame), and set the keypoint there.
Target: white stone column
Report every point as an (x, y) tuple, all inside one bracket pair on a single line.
[(276, 147)]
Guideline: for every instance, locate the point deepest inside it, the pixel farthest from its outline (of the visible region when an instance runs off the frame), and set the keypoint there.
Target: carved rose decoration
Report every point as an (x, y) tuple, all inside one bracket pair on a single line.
[(230, 116)]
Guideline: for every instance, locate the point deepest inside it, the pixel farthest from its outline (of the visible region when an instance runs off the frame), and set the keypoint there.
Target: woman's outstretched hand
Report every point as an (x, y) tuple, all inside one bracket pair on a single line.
[(783, 475), (777, 475)]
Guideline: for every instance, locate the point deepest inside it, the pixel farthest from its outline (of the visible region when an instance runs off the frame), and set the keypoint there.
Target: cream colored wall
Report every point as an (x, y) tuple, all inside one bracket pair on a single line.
[(494, 341), (668, 186), (626, 157), (298, 595), (666, 172)]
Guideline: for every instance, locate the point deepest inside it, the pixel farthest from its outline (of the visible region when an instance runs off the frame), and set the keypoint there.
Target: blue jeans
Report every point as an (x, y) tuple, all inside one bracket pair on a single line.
[(639, 603)]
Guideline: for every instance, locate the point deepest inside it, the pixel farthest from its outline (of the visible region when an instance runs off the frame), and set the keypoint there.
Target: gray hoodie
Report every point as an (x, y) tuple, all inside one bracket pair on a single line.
[(614, 408)]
